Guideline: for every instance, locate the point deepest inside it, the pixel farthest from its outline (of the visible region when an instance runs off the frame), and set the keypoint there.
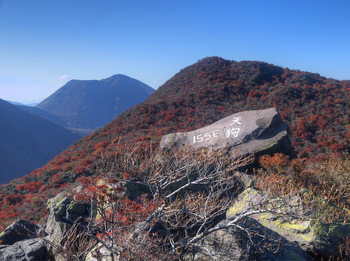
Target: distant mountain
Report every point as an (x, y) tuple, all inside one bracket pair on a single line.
[(87, 105), (28, 141)]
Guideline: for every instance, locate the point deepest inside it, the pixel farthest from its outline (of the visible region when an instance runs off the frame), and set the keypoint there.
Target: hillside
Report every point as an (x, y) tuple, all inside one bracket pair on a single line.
[(315, 108), (86, 105), (28, 141)]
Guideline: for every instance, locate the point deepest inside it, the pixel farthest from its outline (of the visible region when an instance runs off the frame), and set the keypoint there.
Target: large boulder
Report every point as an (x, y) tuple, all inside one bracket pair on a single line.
[(314, 237), (27, 250), (19, 230), (247, 132)]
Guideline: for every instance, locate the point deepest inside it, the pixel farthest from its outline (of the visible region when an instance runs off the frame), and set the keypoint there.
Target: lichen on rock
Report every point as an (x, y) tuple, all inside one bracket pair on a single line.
[(312, 236)]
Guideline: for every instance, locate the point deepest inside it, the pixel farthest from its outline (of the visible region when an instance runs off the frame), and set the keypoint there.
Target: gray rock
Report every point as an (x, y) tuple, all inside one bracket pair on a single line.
[(234, 244), (135, 189), (311, 236), (19, 230), (25, 250), (57, 212), (63, 213), (99, 253), (220, 245), (245, 179), (247, 132)]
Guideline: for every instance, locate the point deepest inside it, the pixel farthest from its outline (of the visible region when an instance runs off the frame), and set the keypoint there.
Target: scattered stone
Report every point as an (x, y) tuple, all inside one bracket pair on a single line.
[(99, 253)]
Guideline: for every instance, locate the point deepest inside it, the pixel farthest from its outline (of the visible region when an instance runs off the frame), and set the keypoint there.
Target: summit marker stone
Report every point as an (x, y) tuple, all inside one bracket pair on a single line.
[(246, 132)]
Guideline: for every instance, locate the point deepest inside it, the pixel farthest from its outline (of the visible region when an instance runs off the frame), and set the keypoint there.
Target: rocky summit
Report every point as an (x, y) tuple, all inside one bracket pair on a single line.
[(246, 132)]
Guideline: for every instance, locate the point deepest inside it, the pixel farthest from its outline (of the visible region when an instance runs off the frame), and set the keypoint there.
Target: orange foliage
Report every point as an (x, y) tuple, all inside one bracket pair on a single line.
[(30, 186), (276, 162)]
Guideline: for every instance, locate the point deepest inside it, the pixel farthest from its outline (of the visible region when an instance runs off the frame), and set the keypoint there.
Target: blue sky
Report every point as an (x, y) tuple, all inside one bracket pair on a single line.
[(46, 43)]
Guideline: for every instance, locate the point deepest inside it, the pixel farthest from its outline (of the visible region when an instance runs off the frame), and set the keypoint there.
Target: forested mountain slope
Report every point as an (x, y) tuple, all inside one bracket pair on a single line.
[(315, 108)]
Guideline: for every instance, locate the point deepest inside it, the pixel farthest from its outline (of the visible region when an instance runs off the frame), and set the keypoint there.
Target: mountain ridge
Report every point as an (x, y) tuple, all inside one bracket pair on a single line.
[(27, 141), (47, 115)]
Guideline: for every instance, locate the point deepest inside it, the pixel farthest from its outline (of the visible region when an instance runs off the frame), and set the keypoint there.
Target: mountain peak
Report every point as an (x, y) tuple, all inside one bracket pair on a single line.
[(121, 79), (87, 105), (116, 76), (211, 62), (211, 59)]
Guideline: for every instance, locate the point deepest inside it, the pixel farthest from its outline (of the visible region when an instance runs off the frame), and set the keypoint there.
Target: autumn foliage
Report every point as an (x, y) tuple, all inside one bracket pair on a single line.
[(315, 108), (115, 216), (325, 183)]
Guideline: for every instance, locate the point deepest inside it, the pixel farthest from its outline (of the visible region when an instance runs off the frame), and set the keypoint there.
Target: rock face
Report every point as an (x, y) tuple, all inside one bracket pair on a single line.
[(247, 132)]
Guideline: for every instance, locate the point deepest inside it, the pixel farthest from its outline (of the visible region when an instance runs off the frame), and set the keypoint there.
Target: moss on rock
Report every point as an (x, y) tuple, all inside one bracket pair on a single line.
[(313, 236)]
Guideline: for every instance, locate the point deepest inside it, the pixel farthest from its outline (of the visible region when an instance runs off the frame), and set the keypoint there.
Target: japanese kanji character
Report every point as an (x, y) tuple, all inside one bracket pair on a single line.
[(236, 120), (233, 132)]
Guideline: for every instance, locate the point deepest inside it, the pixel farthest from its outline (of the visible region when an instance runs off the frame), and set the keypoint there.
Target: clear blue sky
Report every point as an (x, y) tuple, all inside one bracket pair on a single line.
[(45, 43)]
